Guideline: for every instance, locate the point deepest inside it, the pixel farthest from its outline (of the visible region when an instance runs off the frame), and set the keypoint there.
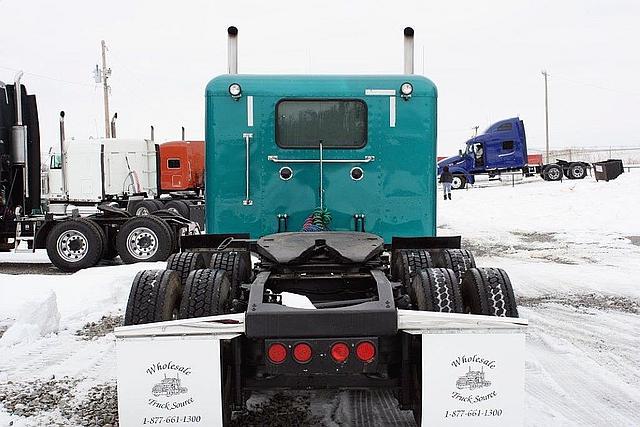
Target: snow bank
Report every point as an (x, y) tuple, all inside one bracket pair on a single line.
[(82, 297), (37, 318)]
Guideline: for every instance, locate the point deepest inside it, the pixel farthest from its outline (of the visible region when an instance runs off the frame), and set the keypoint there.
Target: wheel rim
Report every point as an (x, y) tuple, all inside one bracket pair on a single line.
[(142, 243), (456, 182), (554, 173), (72, 246), (142, 210), (577, 171)]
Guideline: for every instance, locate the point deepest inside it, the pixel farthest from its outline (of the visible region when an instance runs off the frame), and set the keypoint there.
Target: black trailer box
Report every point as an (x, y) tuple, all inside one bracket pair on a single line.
[(608, 170)]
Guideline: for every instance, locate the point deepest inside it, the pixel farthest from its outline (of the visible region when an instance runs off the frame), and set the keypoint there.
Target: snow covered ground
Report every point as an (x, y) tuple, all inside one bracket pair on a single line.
[(572, 250)]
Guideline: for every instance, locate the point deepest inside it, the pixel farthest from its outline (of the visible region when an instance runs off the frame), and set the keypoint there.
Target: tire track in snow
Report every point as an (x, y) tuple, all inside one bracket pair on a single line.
[(370, 408), (582, 367), (59, 356)]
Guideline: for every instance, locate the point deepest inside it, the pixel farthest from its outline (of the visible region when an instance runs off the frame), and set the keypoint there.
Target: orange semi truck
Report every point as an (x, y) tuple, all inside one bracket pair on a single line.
[(182, 166)]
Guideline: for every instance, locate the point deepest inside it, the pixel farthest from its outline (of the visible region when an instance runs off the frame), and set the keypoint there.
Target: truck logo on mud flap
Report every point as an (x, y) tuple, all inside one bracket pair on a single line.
[(168, 387), (472, 380), (169, 392)]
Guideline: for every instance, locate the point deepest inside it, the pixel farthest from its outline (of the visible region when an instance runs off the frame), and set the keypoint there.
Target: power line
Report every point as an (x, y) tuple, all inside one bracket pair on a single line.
[(608, 89), (42, 76)]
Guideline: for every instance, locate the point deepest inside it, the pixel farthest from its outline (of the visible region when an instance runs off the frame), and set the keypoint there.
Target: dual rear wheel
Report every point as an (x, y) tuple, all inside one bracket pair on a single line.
[(450, 282), (188, 290), (79, 243), (201, 291)]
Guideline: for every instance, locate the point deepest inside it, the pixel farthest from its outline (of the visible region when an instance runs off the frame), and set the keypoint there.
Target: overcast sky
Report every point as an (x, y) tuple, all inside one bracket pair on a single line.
[(485, 57)]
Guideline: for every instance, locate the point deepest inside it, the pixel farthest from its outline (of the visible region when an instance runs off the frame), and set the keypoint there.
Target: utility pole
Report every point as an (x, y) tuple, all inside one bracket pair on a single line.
[(546, 113), (102, 75)]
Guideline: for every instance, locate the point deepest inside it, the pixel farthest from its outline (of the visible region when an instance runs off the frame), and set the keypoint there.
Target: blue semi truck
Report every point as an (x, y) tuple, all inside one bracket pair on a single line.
[(321, 186), (502, 148)]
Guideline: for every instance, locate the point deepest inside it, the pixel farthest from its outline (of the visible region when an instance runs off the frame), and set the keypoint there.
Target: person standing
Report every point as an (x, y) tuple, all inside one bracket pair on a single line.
[(446, 178)]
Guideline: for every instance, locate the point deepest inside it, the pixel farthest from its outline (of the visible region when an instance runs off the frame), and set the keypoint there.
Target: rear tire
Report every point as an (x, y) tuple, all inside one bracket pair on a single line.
[(144, 239), (458, 260), (207, 292), (144, 207), (488, 291), (184, 263), (179, 207), (238, 268), (407, 263), (75, 244), (459, 182), (552, 173), (437, 289), (577, 171), (154, 297)]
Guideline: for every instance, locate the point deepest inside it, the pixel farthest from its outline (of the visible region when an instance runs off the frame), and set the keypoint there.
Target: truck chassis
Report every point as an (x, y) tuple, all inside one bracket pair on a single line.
[(74, 242), (355, 284)]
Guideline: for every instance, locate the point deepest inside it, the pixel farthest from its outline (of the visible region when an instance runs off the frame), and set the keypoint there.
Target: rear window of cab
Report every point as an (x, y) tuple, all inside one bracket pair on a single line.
[(339, 123)]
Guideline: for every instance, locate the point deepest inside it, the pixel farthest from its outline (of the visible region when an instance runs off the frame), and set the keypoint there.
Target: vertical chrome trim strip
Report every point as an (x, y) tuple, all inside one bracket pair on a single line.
[(392, 111), (250, 111)]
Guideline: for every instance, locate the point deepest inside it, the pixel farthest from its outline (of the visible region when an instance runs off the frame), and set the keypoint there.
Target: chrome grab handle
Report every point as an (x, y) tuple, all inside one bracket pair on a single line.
[(366, 159), (247, 139), (321, 191)]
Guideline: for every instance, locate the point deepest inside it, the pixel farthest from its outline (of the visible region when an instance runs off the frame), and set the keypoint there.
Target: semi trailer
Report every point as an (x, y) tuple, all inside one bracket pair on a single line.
[(324, 188), (501, 149), (75, 239)]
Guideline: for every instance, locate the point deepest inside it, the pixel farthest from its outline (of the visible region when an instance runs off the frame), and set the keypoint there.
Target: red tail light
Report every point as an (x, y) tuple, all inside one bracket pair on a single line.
[(302, 352), (277, 353), (366, 351), (340, 352)]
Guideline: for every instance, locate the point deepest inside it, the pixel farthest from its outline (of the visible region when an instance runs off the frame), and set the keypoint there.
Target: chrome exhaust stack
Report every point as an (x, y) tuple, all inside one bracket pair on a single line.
[(63, 166), (152, 132), (408, 50), (19, 155), (232, 49), (182, 134)]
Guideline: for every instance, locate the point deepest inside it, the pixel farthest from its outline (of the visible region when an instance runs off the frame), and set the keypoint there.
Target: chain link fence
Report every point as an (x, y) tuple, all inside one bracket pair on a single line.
[(630, 156)]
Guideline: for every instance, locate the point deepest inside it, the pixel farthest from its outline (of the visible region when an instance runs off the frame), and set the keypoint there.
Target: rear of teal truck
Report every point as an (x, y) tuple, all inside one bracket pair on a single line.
[(322, 188)]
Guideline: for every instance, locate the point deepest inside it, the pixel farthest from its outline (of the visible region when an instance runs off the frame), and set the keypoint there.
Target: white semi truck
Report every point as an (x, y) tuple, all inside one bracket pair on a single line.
[(125, 173), (82, 219), (97, 170)]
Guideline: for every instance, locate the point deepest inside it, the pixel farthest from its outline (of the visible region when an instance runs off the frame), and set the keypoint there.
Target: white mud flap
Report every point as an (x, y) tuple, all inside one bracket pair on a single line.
[(169, 373), (472, 368)]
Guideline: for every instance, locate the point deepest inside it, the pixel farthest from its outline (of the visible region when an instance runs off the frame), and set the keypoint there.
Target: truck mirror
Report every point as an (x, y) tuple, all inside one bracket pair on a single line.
[(460, 152)]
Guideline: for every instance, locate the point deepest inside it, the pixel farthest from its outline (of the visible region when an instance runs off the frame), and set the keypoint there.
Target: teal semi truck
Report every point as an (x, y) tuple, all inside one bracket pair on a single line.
[(324, 187)]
